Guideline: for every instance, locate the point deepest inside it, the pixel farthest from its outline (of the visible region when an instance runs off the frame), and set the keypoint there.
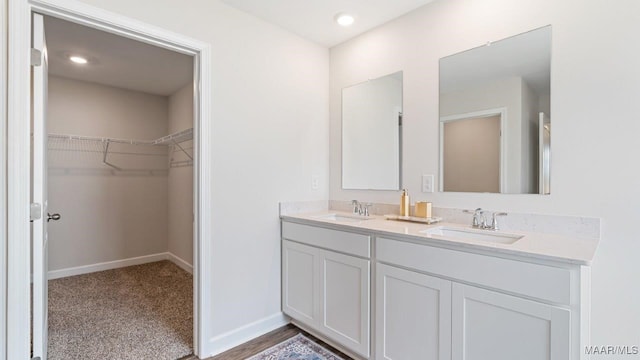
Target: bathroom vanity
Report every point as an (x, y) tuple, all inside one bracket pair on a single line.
[(382, 289), (392, 290)]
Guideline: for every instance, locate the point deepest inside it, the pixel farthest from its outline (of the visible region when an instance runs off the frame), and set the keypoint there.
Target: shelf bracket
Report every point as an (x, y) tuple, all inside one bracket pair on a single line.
[(104, 156), (182, 149)]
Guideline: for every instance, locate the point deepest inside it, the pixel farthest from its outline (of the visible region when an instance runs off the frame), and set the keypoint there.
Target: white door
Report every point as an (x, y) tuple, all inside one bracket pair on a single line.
[(39, 189), (344, 311), (300, 296), (413, 315), (491, 325)]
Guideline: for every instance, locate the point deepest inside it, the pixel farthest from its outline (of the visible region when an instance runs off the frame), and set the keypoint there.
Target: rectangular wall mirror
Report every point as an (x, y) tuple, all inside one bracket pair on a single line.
[(495, 111), (372, 134)]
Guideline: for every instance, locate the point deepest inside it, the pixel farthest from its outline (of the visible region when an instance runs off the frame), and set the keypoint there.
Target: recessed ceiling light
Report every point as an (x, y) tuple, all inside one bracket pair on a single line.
[(344, 19), (78, 59)]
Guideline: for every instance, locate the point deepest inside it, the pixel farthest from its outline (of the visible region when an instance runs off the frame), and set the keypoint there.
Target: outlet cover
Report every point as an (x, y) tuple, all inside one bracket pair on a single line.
[(427, 183)]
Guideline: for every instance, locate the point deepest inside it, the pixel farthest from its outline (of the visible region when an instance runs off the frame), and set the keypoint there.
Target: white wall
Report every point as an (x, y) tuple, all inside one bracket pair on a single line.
[(595, 83), (270, 124), (180, 187), (106, 216)]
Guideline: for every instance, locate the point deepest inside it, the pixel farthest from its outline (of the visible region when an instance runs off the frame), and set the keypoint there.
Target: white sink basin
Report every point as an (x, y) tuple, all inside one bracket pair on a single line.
[(343, 218), (471, 234)]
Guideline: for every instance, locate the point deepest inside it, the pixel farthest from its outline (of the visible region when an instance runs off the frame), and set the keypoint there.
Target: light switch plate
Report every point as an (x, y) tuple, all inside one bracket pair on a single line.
[(427, 183), (315, 182)]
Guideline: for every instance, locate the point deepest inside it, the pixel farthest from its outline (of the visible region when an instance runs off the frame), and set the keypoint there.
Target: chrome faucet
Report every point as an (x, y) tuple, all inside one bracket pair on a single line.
[(494, 220), (366, 209), (483, 221), (359, 208), (480, 220)]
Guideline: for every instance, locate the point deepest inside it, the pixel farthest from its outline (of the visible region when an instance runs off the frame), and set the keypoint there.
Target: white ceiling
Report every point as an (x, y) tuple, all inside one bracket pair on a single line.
[(314, 20), (114, 60)]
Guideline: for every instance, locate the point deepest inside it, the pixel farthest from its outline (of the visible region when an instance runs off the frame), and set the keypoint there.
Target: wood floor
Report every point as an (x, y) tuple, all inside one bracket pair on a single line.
[(268, 340)]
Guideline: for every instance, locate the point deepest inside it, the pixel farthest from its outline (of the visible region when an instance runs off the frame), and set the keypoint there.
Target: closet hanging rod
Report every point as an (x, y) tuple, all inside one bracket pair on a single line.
[(100, 139), (170, 139), (177, 137), (181, 163)]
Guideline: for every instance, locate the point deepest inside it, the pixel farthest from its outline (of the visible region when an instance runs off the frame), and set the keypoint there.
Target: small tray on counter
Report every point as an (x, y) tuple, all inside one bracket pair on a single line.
[(428, 220)]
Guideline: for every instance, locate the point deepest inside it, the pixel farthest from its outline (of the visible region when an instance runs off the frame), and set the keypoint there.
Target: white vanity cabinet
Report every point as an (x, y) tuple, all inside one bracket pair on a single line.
[(300, 282), (432, 301), (424, 317), (413, 315), (344, 289), (491, 325), (474, 306), (326, 283)]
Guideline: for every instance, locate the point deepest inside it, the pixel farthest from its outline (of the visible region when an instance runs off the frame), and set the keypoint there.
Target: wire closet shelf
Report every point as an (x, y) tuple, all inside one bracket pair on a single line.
[(68, 142)]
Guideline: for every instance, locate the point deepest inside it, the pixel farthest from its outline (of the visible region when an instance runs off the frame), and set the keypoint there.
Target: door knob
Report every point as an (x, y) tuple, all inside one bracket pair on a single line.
[(54, 217)]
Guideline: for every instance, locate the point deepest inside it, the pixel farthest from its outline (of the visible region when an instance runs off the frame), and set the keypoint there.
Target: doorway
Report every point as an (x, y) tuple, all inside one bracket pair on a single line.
[(19, 151), (119, 165)]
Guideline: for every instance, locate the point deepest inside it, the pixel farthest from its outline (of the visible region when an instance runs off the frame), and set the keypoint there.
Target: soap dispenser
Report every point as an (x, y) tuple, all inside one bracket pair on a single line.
[(404, 203)]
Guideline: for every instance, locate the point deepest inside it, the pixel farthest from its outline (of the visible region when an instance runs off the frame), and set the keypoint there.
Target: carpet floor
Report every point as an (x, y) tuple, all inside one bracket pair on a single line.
[(137, 312)]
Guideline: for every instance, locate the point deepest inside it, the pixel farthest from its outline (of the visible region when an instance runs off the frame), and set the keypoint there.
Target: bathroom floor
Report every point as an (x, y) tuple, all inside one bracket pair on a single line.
[(137, 312)]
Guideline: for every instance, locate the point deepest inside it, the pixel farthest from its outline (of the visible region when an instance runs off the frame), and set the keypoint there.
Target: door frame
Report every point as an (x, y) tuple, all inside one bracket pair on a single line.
[(18, 156), (3, 184)]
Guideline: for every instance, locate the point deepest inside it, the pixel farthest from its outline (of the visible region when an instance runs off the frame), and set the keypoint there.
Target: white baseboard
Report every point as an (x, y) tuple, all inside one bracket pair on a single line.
[(180, 262), (109, 265), (233, 338)]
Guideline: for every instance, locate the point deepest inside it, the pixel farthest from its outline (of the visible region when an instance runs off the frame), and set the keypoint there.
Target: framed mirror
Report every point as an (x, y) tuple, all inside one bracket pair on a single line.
[(495, 111), (372, 134)]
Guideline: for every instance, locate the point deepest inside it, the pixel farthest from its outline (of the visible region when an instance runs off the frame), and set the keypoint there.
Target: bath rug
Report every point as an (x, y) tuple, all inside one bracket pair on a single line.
[(298, 347)]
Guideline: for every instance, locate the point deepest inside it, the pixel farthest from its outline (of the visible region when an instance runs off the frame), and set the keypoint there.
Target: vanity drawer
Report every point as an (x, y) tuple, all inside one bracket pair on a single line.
[(341, 241), (539, 281)]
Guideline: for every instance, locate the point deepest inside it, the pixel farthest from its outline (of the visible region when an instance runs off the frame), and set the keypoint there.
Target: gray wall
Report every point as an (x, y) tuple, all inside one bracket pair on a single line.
[(106, 216), (180, 222), (471, 155), (529, 149)]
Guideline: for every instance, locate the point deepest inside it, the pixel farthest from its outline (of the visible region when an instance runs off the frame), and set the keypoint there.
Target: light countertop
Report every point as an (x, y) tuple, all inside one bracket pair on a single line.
[(543, 246)]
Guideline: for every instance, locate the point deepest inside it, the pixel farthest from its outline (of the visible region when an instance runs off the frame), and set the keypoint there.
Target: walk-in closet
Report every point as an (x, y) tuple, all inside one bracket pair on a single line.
[(120, 175)]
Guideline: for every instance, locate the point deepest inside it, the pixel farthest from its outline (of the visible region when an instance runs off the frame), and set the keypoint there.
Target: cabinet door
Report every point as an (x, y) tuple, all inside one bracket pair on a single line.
[(345, 300), (300, 295), (413, 315), (491, 325)]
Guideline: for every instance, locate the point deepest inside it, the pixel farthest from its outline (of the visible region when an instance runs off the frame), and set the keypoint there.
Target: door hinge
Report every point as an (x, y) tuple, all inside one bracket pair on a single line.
[(36, 57), (399, 119)]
